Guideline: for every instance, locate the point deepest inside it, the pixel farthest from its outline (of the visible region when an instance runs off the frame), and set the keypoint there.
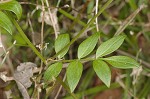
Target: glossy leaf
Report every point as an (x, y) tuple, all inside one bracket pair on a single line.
[(5, 23), (110, 46), (60, 43), (52, 71), (103, 71), (74, 72), (13, 6), (87, 46), (123, 62)]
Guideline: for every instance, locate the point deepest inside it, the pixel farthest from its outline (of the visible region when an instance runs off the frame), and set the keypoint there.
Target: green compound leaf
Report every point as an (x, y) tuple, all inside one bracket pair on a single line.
[(122, 62), (74, 72), (13, 6), (102, 70), (53, 71), (110, 46), (87, 46), (5, 23), (60, 43)]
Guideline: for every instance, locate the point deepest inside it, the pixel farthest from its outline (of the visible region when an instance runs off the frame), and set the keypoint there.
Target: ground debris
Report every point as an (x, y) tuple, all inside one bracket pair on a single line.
[(22, 76)]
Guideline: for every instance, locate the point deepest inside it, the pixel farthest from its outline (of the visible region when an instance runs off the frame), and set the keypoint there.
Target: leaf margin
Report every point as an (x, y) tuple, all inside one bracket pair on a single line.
[(70, 72), (83, 53), (97, 65), (127, 61), (100, 52)]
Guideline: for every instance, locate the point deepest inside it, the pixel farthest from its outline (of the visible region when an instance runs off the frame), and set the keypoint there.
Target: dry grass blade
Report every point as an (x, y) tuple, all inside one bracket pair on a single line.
[(129, 20), (53, 18)]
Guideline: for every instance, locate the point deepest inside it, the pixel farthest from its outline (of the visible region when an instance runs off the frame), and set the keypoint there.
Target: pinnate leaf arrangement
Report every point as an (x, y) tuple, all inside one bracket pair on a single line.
[(75, 68), (100, 64)]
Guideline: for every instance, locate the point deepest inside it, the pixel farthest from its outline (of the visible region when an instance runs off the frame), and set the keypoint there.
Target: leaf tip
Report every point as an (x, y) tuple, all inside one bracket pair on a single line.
[(72, 89), (107, 84)]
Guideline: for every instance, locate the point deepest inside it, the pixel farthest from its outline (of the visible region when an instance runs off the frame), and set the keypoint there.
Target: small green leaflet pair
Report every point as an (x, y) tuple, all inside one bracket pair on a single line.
[(100, 64), (12, 6)]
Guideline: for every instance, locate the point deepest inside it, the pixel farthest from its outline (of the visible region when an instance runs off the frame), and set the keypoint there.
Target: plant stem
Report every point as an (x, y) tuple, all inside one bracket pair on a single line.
[(66, 87), (86, 81), (28, 41), (71, 17), (145, 91), (95, 90), (85, 27), (68, 61), (127, 84)]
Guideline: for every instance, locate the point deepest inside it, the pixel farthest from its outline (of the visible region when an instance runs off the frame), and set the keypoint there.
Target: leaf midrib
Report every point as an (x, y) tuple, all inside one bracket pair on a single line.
[(122, 62), (109, 47), (82, 55)]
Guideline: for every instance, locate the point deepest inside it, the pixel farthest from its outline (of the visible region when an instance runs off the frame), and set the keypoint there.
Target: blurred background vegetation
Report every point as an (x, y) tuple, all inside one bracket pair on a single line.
[(70, 16)]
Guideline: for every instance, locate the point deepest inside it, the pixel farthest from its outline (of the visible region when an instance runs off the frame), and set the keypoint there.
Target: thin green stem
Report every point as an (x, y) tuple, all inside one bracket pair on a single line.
[(146, 89), (86, 81), (95, 90), (84, 29), (68, 61), (66, 87), (128, 85), (28, 41), (71, 17)]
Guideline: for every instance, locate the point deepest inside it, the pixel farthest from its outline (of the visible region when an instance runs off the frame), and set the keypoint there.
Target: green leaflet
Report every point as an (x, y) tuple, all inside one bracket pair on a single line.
[(87, 46), (123, 62), (60, 43), (110, 46), (74, 72), (19, 39), (5, 23), (103, 71), (53, 71), (13, 6)]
